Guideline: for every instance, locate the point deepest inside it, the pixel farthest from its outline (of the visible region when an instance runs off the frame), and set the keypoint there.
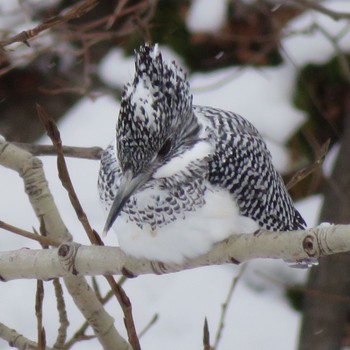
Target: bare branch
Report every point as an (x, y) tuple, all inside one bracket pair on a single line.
[(225, 307), (206, 336), (39, 314), (63, 174), (71, 258), (151, 322), (78, 336), (30, 169), (126, 306), (61, 308), (93, 153), (314, 5), (301, 174), (117, 11), (54, 134), (18, 231), (342, 57), (73, 12), (17, 340)]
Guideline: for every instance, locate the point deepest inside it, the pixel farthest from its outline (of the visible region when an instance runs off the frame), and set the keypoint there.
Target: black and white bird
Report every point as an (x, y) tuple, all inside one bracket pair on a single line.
[(178, 177)]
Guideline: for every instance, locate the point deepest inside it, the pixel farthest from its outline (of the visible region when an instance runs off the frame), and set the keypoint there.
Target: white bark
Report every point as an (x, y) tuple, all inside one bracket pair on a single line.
[(36, 187), (17, 340), (72, 258)]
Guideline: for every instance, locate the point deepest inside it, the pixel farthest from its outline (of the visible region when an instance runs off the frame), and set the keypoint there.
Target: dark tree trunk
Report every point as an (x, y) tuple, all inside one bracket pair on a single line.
[(326, 308)]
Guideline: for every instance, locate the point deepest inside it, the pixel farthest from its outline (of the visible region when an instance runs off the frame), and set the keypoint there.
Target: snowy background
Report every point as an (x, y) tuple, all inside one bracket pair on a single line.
[(259, 317)]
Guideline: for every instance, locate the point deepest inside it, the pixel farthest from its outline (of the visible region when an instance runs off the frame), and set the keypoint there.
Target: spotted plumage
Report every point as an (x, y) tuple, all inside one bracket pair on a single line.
[(179, 177)]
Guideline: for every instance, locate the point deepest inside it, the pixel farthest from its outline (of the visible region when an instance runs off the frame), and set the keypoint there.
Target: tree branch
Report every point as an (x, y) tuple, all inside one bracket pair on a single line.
[(54, 134), (314, 5), (62, 313), (36, 187), (73, 12), (39, 298), (72, 261), (17, 340), (68, 151), (72, 258), (224, 307)]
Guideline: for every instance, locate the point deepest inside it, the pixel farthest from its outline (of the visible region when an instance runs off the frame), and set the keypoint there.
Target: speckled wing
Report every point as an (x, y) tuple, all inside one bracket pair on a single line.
[(109, 177), (242, 165)]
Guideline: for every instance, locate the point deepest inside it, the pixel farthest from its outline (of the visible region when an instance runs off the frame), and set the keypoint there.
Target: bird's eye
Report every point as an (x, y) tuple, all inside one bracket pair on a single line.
[(165, 149)]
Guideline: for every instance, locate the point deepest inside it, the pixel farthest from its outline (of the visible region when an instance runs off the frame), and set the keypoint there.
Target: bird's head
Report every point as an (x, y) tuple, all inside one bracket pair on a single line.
[(156, 125)]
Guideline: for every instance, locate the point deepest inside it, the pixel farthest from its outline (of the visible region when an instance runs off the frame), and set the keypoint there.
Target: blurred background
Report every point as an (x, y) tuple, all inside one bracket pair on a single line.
[(284, 65)]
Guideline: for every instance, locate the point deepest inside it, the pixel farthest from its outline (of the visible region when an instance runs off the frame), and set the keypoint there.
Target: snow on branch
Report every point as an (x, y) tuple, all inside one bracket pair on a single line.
[(71, 258)]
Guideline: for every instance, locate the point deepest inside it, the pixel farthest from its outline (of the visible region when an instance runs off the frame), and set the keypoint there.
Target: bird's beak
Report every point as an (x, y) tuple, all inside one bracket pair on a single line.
[(128, 185)]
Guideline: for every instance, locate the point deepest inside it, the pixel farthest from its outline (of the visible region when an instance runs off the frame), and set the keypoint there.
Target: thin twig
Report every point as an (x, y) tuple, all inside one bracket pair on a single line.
[(63, 319), (18, 231), (151, 322), (110, 294), (96, 288), (301, 174), (78, 336), (342, 57), (73, 12), (117, 11), (314, 5), (225, 305), (63, 174), (68, 151), (124, 301), (206, 336), (39, 297)]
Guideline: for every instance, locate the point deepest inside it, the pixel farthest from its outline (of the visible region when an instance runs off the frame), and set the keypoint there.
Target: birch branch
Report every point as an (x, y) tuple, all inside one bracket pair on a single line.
[(36, 187), (71, 258), (54, 134), (18, 340)]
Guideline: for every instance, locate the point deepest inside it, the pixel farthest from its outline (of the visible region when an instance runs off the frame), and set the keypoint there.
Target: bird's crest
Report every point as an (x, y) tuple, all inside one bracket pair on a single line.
[(166, 82), (156, 102)]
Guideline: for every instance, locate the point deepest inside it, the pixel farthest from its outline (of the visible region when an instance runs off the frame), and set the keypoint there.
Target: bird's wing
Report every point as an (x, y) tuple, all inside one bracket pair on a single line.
[(242, 164)]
